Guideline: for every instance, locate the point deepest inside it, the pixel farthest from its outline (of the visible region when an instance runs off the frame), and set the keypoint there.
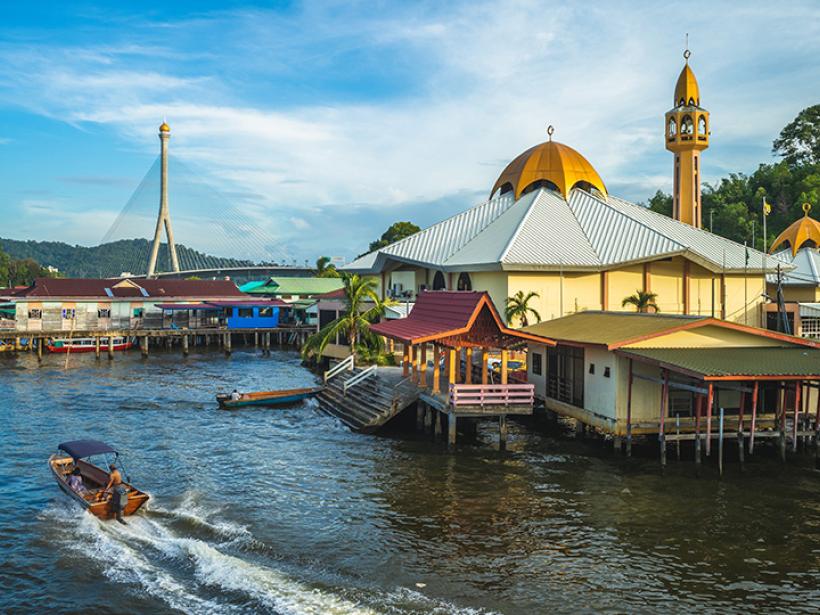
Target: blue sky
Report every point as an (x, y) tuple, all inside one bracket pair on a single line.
[(324, 122)]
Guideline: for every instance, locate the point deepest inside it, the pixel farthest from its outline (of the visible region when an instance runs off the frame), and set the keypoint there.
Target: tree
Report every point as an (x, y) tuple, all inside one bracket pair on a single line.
[(661, 203), (324, 268), (396, 231), (518, 306), (799, 141), (363, 307), (642, 300)]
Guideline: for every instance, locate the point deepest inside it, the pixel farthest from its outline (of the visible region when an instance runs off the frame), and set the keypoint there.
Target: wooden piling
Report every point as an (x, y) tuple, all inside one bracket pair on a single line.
[(502, 431), (184, 345), (40, 343), (664, 406), (484, 370), (428, 419), (629, 412), (451, 429), (710, 399), (144, 346), (419, 416), (227, 343), (677, 433), (436, 369), (436, 424), (110, 347), (97, 347), (798, 388), (468, 365), (720, 443), (698, 405), (754, 418)]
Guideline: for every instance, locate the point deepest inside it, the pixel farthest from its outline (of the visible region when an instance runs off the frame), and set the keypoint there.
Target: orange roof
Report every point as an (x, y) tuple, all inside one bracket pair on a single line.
[(805, 230)]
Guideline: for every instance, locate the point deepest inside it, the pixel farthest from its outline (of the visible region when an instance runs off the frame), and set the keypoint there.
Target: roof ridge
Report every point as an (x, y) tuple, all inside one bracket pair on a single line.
[(581, 226), (519, 226)]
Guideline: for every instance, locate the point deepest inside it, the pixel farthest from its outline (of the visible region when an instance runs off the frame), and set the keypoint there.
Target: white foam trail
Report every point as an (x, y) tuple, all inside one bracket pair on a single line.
[(189, 510)]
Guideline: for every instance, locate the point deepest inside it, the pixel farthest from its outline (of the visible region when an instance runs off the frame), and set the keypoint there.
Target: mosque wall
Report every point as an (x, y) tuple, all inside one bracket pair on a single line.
[(623, 282), (495, 283), (666, 279)]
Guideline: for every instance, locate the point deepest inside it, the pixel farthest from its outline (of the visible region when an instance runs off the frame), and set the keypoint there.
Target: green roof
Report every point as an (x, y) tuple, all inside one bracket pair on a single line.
[(753, 362), (249, 286), (297, 286), (608, 328)]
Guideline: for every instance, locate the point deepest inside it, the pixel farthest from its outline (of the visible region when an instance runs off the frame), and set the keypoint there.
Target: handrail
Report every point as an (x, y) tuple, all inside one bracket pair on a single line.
[(363, 375), (492, 394), (341, 366)]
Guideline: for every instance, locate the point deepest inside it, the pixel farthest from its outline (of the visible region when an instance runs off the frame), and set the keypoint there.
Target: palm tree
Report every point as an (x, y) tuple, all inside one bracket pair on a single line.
[(363, 307), (642, 300), (518, 306), (324, 269)]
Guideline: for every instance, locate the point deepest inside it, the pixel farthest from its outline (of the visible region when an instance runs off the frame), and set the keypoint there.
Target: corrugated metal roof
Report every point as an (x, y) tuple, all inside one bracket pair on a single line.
[(542, 229), (607, 328), (752, 362), (807, 267), (298, 286)]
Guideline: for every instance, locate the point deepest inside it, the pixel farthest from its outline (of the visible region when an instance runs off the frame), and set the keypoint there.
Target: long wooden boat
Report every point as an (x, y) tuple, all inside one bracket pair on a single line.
[(72, 455), (266, 398), (87, 344)]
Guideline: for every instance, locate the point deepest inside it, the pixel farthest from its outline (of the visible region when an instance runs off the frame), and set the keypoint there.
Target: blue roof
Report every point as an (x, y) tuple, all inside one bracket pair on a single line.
[(79, 449)]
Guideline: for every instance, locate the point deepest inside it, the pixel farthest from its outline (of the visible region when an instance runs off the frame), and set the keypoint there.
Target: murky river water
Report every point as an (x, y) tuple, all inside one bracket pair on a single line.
[(286, 511)]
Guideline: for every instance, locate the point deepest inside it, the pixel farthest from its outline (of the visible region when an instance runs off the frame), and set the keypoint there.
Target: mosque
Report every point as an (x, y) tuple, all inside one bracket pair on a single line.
[(551, 226)]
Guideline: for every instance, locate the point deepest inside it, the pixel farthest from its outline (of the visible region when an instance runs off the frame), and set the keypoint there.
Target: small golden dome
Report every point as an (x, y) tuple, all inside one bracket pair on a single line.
[(805, 230), (164, 127), (686, 90), (551, 162)]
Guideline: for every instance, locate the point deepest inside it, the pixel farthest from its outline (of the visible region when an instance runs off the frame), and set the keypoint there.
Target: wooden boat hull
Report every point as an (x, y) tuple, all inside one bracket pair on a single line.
[(75, 346), (94, 475), (266, 398)]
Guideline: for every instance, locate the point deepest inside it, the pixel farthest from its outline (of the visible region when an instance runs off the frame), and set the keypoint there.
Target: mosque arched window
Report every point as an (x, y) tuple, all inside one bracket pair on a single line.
[(464, 281), (686, 126), (540, 183), (673, 128), (438, 281), (692, 102), (504, 189), (702, 125)]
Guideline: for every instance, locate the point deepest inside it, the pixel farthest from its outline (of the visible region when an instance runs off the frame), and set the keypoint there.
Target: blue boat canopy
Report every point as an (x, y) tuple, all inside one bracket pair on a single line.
[(79, 449)]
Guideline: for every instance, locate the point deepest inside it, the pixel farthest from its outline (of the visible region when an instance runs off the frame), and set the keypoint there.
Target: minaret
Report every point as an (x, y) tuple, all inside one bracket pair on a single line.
[(164, 217), (687, 134)]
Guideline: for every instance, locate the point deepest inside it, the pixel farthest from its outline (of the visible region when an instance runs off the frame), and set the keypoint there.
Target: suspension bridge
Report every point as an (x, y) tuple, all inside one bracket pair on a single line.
[(178, 223)]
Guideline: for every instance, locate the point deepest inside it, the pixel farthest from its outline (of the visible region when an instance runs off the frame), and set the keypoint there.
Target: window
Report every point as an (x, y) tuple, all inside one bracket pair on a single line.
[(565, 375), (245, 312), (810, 327), (537, 361), (438, 281), (139, 312), (69, 313), (592, 368), (606, 372), (686, 126), (326, 317), (673, 128), (104, 313), (464, 282), (701, 125), (35, 314)]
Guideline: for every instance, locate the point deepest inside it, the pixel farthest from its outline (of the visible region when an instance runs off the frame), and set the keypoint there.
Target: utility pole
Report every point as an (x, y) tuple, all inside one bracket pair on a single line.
[(782, 316)]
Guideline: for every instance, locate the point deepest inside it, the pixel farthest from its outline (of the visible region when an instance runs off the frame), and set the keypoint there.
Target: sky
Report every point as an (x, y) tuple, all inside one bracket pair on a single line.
[(318, 124)]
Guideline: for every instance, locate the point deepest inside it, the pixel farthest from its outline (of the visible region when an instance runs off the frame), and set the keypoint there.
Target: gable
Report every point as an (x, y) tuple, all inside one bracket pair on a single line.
[(708, 336)]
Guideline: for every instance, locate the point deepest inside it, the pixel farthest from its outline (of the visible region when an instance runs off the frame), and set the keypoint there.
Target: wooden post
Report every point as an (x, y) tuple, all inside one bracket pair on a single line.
[(436, 424), (227, 343), (41, 342), (662, 426), (419, 416), (451, 366), (504, 357), (423, 366), (436, 369), (110, 347), (97, 347), (468, 365), (484, 373), (754, 418), (144, 346), (502, 431), (414, 363), (720, 443), (740, 436), (698, 404), (405, 361), (709, 401), (185, 345), (451, 428), (798, 388), (428, 418), (256, 339), (783, 423), (677, 432), (629, 412)]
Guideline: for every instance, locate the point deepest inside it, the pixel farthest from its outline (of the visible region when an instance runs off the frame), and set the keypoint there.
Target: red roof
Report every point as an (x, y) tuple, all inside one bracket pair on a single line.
[(215, 305), (441, 314), (107, 289), (339, 293)]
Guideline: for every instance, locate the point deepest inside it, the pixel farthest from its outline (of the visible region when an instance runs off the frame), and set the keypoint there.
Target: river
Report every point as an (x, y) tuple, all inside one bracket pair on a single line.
[(287, 511)]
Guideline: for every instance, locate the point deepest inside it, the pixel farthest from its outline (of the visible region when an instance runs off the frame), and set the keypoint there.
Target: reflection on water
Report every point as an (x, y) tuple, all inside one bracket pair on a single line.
[(286, 511)]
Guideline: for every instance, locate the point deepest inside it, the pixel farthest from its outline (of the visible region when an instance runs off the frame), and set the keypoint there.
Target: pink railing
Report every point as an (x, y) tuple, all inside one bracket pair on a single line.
[(492, 395)]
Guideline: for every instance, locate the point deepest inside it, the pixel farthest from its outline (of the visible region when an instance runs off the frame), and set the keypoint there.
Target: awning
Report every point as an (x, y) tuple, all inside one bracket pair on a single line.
[(79, 449), (746, 363), (187, 306), (809, 310), (252, 303)]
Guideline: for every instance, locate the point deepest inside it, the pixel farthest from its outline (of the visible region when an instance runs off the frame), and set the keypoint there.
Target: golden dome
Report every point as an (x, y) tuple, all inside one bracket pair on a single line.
[(686, 90), (551, 162), (804, 230), (164, 127)]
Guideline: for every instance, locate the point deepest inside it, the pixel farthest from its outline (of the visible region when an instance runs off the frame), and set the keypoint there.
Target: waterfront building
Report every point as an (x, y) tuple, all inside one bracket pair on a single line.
[(552, 227), (80, 304), (798, 247), (299, 293)]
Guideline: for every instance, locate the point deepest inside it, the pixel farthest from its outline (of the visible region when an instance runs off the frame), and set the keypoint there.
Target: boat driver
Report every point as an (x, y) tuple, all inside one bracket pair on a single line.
[(235, 396), (119, 495)]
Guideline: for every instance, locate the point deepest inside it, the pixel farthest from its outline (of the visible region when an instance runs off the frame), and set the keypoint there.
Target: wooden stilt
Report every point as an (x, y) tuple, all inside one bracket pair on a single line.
[(451, 429), (710, 400), (227, 343), (782, 418), (754, 418), (798, 388), (617, 444), (677, 432), (436, 370), (110, 347), (502, 431), (468, 365), (662, 426), (419, 416), (184, 345), (720, 443), (505, 355), (484, 371), (144, 346), (41, 343), (428, 418), (437, 424), (629, 412), (405, 361), (698, 405), (97, 347)]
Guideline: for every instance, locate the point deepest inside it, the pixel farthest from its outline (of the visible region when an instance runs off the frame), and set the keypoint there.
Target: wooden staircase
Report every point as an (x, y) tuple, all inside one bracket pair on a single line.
[(369, 404)]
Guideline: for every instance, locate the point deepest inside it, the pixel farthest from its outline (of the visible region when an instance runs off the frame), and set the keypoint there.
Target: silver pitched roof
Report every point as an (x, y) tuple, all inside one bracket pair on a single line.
[(543, 231), (806, 265)]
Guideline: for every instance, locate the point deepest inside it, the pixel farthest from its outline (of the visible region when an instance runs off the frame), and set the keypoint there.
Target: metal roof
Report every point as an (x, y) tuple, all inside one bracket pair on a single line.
[(542, 230), (736, 362), (297, 286), (806, 264), (607, 328)]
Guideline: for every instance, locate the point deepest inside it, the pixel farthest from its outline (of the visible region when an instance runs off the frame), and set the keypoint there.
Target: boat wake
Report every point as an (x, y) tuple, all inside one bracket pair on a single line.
[(188, 559)]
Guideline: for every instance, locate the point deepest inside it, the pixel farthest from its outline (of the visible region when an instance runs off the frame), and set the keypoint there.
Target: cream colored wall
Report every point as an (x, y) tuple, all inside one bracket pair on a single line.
[(806, 294), (600, 391), (495, 283), (666, 280), (743, 299), (406, 278), (540, 381), (622, 283), (579, 291), (700, 292), (707, 337)]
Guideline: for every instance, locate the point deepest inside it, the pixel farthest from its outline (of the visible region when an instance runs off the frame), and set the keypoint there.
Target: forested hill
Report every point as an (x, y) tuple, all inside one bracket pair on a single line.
[(109, 259)]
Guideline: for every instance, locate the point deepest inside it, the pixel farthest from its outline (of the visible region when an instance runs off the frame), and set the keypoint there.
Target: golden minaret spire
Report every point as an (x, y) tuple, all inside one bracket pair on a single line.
[(687, 135)]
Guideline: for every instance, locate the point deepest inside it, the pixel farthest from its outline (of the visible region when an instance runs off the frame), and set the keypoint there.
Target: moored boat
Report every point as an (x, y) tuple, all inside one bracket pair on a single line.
[(266, 398), (86, 344), (74, 455)]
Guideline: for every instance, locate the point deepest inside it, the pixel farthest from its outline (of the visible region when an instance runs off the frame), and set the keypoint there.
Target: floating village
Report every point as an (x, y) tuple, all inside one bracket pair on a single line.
[(725, 354)]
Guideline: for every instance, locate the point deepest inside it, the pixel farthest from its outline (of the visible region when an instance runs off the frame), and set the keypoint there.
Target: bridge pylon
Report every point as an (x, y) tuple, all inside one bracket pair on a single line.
[(164, 217)]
